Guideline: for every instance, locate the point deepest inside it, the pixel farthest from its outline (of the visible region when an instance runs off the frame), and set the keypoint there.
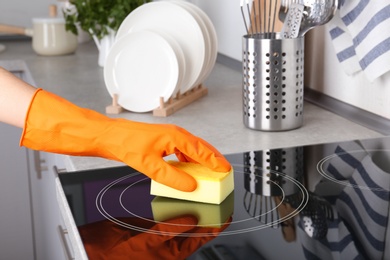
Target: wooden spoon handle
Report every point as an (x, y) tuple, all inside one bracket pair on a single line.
[(15, 30)]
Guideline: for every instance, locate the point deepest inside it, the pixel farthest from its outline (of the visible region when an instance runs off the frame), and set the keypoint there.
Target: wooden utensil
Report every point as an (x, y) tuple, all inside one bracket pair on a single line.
[(288, 226), (264, 16), (4, 28), (11, 29)]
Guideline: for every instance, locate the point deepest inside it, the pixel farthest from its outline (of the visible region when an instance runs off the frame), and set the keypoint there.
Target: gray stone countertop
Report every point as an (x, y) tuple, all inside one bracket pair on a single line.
[(216, 117)]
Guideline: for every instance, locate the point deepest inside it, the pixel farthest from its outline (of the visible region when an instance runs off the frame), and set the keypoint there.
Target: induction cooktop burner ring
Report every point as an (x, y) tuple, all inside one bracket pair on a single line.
[(321, 168), (304, 193), (100, 207), (258, 200)]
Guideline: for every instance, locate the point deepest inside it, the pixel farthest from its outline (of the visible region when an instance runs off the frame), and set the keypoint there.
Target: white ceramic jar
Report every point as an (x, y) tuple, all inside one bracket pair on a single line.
[(51, 38)]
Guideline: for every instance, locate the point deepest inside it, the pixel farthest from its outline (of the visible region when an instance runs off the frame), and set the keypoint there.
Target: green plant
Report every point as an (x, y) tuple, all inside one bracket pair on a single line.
[(97, 17)]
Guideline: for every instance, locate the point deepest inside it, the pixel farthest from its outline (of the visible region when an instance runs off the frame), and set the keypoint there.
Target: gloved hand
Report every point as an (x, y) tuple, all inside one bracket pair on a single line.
[(106, 240), (56, 125)]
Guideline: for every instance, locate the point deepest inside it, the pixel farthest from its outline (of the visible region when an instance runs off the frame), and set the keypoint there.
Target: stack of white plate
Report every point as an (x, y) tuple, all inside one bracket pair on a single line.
[(161, 48)]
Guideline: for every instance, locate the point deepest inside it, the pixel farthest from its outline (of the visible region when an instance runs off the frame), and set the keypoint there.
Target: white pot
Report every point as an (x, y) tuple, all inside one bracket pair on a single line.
[(51, 38), (104, 46)]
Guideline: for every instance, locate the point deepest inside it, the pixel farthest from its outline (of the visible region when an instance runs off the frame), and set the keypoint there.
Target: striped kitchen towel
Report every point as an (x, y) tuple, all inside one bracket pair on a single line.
[(360, 224), (360, 32)]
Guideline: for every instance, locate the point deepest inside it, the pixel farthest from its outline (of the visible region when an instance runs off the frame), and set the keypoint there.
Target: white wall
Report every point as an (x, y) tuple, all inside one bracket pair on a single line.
[(325, 74), (21, 12), (227, 19), (322, 70)]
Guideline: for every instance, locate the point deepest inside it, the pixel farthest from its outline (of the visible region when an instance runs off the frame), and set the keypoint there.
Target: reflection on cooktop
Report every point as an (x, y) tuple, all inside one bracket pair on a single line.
[(271, 178), (327, 201)]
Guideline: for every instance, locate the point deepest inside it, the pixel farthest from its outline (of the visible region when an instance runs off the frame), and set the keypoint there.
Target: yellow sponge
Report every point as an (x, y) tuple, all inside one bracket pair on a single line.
[(208, 215), (213, 187)]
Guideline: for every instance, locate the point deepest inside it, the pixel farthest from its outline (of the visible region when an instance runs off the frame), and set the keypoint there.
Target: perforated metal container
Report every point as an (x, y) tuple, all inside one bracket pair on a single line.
[(265, 171), (270, 174), (273, 82)]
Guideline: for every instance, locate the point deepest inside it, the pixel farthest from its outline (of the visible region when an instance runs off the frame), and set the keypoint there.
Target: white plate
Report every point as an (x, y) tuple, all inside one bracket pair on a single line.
[(213, 40), (211, 43), (178, 23), (141, 67), (180, 59), (190, 8)]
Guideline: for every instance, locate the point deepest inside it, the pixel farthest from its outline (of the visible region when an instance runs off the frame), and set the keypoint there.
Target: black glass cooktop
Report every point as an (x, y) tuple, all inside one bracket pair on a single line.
[(327, 201)]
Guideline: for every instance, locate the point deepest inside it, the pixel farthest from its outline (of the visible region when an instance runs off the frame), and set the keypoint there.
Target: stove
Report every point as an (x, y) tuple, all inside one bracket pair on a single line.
[(326, 201)]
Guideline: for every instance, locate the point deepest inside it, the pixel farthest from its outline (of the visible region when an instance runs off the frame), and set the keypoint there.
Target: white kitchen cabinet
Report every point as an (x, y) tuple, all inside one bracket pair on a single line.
[(51, 240), (16, 231), (31, 226)]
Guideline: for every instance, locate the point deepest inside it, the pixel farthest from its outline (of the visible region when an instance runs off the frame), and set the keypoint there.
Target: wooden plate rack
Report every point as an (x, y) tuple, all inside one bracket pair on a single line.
[(169, 107)]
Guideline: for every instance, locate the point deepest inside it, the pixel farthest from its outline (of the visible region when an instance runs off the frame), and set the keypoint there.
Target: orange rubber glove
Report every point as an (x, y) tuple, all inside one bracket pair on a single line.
[(56, 125), (106, 240)]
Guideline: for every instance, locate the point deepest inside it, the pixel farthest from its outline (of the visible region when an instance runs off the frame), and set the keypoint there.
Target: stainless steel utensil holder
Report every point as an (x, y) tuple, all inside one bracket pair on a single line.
[(268, 175), (266, 171), (273, 82)]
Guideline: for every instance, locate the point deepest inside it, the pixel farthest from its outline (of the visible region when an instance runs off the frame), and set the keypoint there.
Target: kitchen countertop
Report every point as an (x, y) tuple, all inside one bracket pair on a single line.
[(216, 117)]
